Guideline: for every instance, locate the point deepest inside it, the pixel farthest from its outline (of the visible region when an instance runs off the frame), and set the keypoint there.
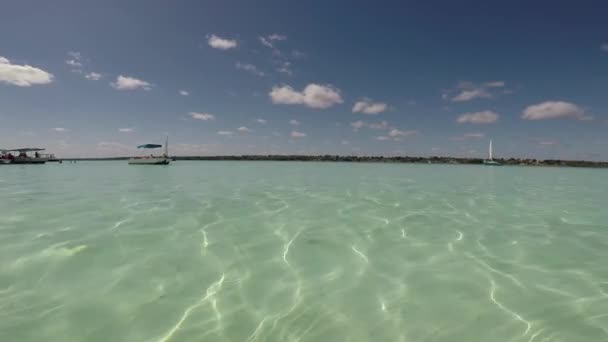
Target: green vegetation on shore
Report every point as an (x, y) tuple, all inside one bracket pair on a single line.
[(383, 159)]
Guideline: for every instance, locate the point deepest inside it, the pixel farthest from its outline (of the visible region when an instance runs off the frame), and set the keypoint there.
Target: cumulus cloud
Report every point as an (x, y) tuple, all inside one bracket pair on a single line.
[(130, 83), (126, 130), (225, 132), (474, 135), (296, 134), (294, 122), (553, 110), (202, 116), (383, 138), (59, 129), (467, 91), (484, 117), (366, 106), (261, 121), (93, 76), (313, 96), (22, 75), (250, 68), (244, 129), (221, 43), (184, 92)]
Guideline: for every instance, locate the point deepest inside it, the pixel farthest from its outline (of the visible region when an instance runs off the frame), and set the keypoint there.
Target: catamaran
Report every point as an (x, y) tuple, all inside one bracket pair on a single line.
[(152, 160), (491, 161)]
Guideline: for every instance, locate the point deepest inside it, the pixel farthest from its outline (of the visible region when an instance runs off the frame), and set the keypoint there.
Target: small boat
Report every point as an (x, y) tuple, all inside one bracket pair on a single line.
[(22, 157), (490, 161), (152, 160)]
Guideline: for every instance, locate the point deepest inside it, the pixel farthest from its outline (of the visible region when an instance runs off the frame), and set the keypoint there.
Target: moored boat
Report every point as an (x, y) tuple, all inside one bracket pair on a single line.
[(490, 161), (152, 160)]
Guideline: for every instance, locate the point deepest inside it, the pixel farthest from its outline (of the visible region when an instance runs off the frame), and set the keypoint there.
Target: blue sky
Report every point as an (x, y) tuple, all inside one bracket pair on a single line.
[(96, 78)]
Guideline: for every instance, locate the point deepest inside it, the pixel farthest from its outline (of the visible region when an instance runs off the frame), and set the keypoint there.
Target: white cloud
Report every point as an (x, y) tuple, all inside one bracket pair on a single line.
[(553, 110), (484, 117), (604, 47), (130, 83), (285, 68), (184, 92), (467, 91), (261, 121), (296, 134), (126, 130), (59, 129), (73, 63), (378, 125), (22, 75), (244, 129), (313, 96), (268, 40), (365, 106), (221, 43), (548, 142), (467, 95), (345, 142), (294, 122), (383, 138), (395, 133), (202, 116), (225, 132), (373, 125), (93, 76), (250, 68)]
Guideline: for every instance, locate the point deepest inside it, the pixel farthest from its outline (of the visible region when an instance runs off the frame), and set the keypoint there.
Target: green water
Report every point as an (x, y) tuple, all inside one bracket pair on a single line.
[(265, 251)]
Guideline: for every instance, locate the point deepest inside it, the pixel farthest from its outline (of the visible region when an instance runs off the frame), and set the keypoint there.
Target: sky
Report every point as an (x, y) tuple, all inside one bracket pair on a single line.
[(96, 78)]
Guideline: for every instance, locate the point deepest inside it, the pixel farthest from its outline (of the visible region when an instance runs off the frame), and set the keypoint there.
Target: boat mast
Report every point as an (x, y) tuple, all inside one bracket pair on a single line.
[(167, 146), (490, 150)]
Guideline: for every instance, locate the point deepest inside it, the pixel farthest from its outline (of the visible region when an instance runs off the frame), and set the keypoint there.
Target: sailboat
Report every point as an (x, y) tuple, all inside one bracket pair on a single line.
[(490, 161), (152, 160)]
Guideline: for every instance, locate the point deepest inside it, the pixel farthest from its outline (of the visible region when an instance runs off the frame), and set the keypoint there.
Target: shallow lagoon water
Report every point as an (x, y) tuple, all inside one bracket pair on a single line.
[(293, 251)]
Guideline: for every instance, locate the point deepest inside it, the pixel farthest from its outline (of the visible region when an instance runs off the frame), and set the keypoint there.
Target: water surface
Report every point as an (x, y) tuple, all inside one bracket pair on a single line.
[(270, 251)]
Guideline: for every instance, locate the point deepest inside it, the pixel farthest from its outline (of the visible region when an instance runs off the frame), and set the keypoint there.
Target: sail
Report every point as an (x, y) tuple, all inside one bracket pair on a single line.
[(167, 146), (490, 150)]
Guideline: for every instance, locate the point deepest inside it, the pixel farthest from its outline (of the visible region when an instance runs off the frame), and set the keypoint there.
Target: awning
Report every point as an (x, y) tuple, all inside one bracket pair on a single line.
[(28, 149), (150, 146)]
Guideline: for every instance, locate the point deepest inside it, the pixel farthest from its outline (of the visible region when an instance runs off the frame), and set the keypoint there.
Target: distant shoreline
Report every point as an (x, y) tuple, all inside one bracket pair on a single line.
[(378, 159)]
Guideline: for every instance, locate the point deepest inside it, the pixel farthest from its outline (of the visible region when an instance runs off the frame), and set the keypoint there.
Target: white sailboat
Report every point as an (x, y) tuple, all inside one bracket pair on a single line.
[(152, 160), (490, 161)]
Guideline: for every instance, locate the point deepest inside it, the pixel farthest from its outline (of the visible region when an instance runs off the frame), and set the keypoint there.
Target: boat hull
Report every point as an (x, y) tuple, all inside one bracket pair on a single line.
[(20, 160), (491, 163), (149, 161)]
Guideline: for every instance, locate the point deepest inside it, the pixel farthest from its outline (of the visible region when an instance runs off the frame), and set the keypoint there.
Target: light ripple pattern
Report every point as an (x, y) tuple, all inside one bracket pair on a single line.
[(290, 251)]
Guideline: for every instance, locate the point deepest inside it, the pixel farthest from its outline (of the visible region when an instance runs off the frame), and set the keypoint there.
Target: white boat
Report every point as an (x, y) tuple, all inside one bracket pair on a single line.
[(490, 161), (152, 160), (23, 157)]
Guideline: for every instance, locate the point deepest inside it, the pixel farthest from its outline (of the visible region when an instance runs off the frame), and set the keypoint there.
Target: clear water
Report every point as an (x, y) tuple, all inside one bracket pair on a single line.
[(265, 251)]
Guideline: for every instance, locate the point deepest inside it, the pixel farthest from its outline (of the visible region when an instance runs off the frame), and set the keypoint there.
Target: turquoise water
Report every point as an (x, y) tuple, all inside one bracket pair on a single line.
[(265, 251)]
